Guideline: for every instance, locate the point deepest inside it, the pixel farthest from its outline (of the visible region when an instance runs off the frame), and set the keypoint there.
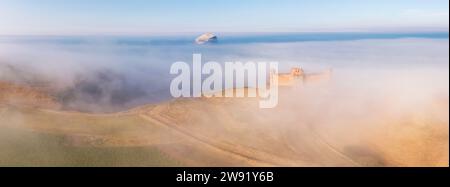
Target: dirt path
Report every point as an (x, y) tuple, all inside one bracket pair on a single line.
[(190, 136)]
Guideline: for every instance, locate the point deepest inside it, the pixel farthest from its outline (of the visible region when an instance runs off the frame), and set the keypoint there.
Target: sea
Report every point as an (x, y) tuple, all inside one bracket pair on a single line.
[(224, 38)]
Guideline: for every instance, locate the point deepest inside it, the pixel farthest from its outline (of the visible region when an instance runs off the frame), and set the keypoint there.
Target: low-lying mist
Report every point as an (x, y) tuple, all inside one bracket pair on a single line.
[(386, 103), (105, 76)]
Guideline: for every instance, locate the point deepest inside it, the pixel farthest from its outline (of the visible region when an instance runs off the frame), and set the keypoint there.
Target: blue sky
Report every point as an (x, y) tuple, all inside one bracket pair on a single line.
[(173, 16)]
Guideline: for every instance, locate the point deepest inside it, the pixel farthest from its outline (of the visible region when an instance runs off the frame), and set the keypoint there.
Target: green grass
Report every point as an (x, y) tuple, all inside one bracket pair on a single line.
[(28, 148)]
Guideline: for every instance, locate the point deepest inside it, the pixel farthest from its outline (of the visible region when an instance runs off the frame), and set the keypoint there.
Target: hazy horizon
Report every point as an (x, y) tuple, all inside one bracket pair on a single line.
[(137, 17)]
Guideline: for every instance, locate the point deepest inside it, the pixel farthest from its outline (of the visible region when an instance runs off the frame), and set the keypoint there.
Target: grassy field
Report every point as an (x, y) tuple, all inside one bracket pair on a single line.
[(21, 148), (224, 132), (21, 145)]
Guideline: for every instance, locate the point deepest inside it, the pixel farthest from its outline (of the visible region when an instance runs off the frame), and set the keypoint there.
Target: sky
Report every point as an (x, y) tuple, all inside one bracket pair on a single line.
[(177, 16)]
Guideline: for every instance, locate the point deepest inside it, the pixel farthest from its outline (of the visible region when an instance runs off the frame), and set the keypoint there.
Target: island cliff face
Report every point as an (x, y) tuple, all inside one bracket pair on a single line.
[(206, 38)]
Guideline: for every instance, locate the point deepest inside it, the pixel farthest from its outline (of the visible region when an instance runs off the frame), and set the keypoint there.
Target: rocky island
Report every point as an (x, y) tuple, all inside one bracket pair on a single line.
[(206, 38)]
